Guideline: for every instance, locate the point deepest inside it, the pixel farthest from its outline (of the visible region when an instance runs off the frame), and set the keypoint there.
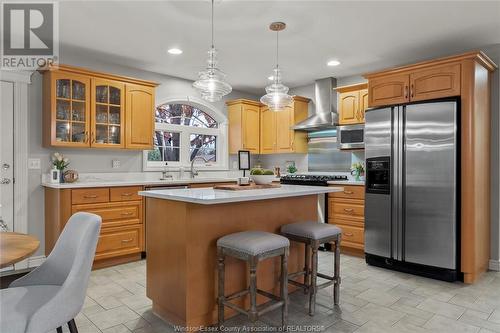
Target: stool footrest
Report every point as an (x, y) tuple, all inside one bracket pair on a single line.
[(237, 294), (268, 295), (298, 284), (235, 307), (267, 308), (294, 275)]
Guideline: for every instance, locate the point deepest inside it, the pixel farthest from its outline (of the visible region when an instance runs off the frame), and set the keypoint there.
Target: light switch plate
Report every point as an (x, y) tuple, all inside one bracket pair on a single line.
[(34, 164), (116, 164)]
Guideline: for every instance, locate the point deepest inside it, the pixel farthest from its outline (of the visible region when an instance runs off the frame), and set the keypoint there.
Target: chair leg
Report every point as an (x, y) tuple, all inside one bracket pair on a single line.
[(59, 330), (307, 268), (220, 277), (312, 286), (253, 290), (336, 274), (72, 326), (284, 291)]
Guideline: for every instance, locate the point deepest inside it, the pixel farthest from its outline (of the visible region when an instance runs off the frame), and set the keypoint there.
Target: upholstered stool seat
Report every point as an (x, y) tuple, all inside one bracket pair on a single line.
[(253, 246), (253, 243), (311, 230), (313, 234)]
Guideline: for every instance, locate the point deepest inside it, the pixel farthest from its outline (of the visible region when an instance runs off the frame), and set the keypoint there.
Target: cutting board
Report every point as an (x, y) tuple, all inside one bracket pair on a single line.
[(252, 186)]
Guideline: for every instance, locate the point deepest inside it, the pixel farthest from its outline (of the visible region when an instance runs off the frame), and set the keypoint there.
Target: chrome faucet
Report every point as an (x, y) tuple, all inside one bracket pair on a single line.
[(193, 172)]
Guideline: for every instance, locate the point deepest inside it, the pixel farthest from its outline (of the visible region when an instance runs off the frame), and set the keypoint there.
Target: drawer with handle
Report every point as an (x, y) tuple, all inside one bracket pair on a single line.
[(350, 191), (128, 193), (89, 195), (345, 209), (119, 241), (352, 234), (114, 213)]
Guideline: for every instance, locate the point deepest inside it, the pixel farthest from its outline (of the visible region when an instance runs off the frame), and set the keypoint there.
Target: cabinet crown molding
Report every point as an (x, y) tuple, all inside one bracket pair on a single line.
[(476, 55), (88, 72), (352, 87)]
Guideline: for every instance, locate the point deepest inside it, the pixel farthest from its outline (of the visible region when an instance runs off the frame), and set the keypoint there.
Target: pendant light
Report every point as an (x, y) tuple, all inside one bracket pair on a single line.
[(211, 82), (276, 97)]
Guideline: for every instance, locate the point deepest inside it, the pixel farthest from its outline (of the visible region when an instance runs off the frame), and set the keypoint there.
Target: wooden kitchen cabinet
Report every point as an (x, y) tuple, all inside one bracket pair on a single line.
[(388, 90), (352, 104), (244, 125), (276, 135), (346, 210), (66, 118), (107, 113), (87, 109), (139, 116), (467, 76), (121, 209), (435, 82)]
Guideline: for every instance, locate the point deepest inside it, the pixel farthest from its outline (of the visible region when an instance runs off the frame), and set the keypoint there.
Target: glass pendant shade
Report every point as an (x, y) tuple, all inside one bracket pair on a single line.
[(276, 97), (211, 82)]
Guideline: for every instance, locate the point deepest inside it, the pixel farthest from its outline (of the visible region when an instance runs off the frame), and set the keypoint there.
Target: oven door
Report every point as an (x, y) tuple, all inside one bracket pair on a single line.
[(351, 136)]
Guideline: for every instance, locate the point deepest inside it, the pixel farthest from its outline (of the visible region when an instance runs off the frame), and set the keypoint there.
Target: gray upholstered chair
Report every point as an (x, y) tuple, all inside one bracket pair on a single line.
[(53, 294)]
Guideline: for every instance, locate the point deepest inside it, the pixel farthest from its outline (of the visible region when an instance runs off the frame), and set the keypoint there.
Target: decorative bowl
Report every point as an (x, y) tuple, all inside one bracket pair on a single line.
[(262, 179)]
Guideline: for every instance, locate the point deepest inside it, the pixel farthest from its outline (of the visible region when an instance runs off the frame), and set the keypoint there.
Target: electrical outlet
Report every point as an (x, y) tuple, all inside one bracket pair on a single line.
[(34, 164), (116, 164)]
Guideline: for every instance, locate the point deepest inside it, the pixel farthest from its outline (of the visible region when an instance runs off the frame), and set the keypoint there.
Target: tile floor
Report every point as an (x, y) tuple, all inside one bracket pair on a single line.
[(372, 300)]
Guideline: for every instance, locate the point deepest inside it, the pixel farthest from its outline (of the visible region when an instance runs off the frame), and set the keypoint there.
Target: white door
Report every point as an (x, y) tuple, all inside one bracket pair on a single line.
[(7, 154)]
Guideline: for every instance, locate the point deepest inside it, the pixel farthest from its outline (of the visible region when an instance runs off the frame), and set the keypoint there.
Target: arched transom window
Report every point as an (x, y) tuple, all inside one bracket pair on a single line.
[(184, 132)]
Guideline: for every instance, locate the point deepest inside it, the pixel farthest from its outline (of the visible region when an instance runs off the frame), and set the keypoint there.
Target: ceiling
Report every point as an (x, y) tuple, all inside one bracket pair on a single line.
[(363, 36)]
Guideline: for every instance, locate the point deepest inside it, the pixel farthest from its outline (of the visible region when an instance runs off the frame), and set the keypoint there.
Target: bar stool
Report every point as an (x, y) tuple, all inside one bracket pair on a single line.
[(253, 246), (313, 234)]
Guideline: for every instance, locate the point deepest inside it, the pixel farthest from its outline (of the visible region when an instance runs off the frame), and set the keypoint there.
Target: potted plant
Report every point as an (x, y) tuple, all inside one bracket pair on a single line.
[(59, 162), (358, 170), (262, 176)]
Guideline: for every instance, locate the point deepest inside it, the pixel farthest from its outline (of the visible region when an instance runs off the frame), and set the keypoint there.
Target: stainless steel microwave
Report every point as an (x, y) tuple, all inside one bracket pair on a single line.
[(351, 136)]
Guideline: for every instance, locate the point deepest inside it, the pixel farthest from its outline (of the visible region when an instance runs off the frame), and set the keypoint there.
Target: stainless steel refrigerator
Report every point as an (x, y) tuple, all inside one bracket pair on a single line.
[(411, 209)]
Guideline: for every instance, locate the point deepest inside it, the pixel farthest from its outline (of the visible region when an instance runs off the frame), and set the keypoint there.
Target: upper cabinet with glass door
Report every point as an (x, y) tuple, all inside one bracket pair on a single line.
[(88, 109), (107, 114), (69, 116)]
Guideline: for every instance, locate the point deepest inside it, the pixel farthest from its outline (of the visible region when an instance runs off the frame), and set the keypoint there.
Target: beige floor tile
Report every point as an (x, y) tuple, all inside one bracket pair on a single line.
[(117, 329), (378, 297), (113, 317), (446, 325), (442, 308)]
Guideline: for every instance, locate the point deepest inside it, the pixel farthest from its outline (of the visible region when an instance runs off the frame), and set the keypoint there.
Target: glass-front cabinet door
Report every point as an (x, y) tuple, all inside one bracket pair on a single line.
[(71, 110), (107, 114)]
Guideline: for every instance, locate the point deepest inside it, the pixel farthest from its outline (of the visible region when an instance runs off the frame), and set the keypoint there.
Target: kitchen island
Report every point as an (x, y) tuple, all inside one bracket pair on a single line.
[(181, 235)]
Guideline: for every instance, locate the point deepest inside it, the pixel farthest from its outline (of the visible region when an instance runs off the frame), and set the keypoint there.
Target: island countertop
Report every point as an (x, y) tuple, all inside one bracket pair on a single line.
[(210, 196)]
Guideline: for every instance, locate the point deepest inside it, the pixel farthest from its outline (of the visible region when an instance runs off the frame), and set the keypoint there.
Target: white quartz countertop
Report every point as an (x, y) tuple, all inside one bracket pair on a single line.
[(209, 196), (346, 182), (131, 182)]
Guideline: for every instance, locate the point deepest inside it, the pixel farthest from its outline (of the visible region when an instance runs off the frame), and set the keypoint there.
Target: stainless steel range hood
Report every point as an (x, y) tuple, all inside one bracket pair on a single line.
[(325, 114)]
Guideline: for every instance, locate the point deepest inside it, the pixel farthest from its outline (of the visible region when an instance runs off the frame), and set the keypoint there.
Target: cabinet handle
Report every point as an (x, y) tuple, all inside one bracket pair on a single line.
[(92, 139), (90, 196), (126, 194), (86, 140), (348, 210), (126, 213), (348, 234), (406, 91), (127, 240), (411, 91), (348, 192)]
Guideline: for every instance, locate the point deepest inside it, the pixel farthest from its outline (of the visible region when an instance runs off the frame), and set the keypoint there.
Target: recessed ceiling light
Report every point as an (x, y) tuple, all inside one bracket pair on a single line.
[(270, 78), (333, 63), (175, 51)]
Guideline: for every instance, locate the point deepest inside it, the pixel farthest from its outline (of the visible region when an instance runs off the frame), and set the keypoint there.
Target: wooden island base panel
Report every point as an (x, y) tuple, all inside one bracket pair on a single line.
[(181, 247)]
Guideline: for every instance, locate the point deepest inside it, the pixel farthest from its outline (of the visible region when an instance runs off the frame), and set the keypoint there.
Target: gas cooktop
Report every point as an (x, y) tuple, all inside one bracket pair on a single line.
[(314, 180)]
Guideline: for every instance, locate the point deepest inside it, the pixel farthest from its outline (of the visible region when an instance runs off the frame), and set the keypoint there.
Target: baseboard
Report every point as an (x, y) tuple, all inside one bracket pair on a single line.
[(35, 261), (494, 265)]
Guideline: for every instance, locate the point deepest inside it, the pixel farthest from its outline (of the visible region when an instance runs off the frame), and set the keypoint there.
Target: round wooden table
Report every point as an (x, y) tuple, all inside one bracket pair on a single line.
[(15, 247)]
